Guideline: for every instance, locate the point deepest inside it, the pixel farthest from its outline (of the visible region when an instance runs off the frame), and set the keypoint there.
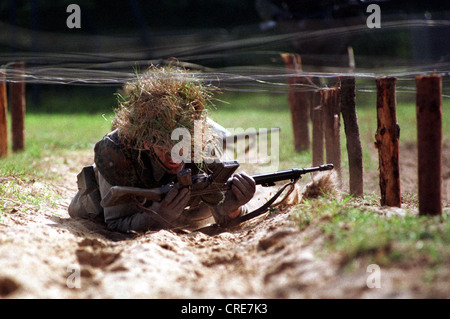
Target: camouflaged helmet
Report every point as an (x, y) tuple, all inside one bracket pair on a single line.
[(159, 101)]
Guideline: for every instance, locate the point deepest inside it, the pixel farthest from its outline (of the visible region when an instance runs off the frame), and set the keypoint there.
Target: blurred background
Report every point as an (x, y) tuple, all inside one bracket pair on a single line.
[(235, 44)]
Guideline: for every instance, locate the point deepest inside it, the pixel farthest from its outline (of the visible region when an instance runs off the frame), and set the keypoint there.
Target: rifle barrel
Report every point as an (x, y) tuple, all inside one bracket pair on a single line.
[(289, 174)]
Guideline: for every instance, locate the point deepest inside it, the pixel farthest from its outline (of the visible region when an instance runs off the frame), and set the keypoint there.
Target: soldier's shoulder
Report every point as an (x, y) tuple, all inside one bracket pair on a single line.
[(112, 162)]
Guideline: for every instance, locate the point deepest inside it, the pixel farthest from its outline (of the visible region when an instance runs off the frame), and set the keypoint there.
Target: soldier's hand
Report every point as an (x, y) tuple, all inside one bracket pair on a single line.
[(173, 203), (241, 192)]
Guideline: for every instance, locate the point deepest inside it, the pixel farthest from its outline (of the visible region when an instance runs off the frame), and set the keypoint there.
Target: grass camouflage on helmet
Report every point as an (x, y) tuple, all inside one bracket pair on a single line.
[(159, 101)]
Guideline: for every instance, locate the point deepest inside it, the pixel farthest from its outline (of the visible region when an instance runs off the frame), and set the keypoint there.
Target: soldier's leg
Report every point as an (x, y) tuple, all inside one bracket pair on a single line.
[(75, 208)]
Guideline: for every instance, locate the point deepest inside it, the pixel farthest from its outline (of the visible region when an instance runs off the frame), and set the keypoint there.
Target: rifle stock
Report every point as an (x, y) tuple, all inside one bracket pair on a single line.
[(118, 195), (202, 184)]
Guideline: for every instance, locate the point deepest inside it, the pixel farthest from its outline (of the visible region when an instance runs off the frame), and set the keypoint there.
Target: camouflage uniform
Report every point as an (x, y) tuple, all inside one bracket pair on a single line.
[(115, 165)]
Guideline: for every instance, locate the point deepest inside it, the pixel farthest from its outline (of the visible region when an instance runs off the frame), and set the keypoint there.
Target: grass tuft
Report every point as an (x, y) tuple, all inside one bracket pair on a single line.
[(385, 237)]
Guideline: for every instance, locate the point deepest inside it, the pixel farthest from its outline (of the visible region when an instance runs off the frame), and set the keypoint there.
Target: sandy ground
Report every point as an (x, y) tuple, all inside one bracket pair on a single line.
[(46, 254)]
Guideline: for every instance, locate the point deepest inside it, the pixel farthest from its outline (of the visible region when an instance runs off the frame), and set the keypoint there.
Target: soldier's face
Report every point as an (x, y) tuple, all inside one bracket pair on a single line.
[(168, 164)]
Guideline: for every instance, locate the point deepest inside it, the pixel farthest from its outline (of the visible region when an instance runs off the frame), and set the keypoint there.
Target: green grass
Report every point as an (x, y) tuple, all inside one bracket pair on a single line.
[(59, 131), (17, 194), (48, 134), (355, 231)]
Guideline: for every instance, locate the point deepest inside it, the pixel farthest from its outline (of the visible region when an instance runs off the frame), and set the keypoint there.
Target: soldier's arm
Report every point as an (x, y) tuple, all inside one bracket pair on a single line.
[(126, 217)]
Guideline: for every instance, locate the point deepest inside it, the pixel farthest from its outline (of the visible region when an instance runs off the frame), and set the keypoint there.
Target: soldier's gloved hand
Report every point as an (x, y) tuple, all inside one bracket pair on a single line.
[(241, 192), (171, 207)]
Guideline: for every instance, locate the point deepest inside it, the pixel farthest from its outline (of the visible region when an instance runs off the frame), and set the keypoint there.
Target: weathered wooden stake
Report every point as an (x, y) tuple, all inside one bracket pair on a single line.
[(318, 129), (387, 138), (332, 128), (429, 143), (299, 102), (354, 149), (3, 116), (17, 107)]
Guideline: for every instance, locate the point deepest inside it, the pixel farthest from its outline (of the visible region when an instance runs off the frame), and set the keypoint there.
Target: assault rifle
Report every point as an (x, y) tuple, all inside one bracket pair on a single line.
[(202, 184)]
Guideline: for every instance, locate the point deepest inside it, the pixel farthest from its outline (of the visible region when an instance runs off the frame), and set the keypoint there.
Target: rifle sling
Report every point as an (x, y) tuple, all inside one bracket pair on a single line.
[(217, 229)]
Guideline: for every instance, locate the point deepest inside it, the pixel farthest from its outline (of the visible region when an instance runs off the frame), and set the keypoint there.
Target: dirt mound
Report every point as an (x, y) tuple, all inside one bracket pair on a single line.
[(46, 254)]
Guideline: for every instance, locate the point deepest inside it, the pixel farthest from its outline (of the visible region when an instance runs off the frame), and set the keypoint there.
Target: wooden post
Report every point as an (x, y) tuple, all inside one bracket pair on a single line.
[(3, 116), (387, 137), (17, 107), (429, 143), (299, 102), (332, 128), (354, 149), (318, 129)]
